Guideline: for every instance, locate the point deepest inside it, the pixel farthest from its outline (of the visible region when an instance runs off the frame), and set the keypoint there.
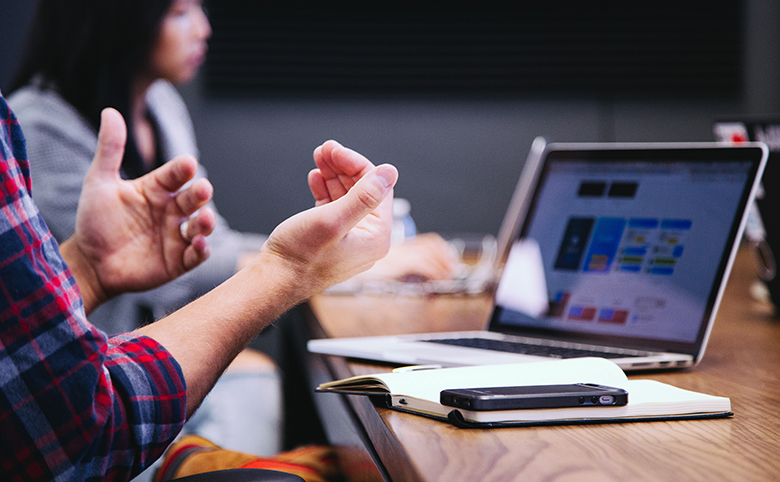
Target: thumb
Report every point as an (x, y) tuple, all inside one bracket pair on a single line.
[(364, 197), (111, 142)]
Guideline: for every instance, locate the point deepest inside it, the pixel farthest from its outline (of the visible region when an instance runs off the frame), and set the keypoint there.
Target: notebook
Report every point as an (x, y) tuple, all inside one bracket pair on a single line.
[(619, 251)]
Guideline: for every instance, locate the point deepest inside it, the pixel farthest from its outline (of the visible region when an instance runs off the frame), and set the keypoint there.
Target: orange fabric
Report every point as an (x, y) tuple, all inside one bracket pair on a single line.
[(195, 455)]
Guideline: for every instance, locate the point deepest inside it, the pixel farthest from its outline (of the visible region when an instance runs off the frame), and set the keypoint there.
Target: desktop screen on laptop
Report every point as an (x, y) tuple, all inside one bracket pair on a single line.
[(626, 248)]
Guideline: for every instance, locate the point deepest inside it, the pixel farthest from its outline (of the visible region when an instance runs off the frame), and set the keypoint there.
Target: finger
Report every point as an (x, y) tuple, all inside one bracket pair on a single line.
[(350, 163), (341, 167), (338, 187), (196, 253), (172, 175), (111, 142), (336, 183), (195, 196), (335, 160), (320, 153), (318, 188), (362, 199), (202, 223)]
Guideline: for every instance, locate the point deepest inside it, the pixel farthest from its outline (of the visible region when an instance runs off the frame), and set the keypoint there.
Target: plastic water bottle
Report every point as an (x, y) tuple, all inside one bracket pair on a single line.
[(403, 224)]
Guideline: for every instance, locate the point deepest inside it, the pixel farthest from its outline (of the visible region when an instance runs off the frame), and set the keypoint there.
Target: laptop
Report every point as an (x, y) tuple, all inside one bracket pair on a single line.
[(619, 251)]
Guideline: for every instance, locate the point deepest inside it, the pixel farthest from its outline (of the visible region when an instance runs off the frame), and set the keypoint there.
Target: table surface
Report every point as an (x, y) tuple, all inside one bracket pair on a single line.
[(742, 362)]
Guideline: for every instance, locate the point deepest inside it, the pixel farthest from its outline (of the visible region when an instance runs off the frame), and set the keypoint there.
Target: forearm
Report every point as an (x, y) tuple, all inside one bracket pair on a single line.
[(207, 334)]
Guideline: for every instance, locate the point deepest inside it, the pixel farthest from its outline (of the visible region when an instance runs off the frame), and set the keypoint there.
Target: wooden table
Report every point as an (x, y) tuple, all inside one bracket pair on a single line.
[(742, 362)]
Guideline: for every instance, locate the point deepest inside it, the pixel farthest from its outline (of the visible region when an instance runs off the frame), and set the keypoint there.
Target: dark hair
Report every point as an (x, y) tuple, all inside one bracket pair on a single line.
[(90, 51)]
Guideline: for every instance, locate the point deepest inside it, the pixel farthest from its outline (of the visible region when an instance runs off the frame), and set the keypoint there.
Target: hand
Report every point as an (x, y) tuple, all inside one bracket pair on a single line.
[(128, 235), (347, 231), (425, 257)]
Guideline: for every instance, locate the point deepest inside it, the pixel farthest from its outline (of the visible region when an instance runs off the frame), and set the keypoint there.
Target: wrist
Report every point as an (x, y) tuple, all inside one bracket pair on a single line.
[(288, 279), (85, 275)]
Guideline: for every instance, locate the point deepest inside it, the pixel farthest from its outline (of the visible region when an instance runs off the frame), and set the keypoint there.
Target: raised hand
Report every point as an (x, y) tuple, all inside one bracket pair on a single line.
[(426, 257), (128, 233), (347, 231), (338, 169)]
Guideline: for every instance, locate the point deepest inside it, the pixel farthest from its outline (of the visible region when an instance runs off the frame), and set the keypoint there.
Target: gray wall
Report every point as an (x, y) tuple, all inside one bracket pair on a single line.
[(14, 18), (459, 160)]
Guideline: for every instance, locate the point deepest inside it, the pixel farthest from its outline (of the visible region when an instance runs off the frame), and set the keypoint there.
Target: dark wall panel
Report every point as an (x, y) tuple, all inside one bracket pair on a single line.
[(471, 48)]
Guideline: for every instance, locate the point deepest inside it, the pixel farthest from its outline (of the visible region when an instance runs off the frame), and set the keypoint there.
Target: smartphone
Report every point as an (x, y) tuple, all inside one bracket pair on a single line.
[(534, 396)]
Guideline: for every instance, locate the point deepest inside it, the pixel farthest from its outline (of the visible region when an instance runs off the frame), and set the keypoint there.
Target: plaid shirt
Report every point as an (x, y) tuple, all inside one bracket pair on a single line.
[(74, 405)]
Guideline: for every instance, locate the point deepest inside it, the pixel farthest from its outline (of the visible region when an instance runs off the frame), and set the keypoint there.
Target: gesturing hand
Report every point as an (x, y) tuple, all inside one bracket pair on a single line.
[(128, 235), (347, 231)]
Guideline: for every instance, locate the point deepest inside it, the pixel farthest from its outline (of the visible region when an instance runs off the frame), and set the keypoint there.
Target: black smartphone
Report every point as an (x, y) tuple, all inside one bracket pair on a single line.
[(534, 396)]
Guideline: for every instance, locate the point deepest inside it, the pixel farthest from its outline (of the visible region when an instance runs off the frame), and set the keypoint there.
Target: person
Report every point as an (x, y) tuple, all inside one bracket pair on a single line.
[(85, 56), (79, 405)]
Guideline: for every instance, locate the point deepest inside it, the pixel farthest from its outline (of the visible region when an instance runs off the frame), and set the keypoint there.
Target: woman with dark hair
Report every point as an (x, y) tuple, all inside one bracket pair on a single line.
[(95, 54), (83, 56)]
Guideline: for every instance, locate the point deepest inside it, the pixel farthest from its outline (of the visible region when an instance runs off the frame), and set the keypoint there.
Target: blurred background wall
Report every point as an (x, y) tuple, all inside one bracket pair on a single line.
[(459, 154)]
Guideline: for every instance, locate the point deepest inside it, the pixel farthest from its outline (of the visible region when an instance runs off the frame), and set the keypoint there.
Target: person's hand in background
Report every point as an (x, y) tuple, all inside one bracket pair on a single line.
[(425, 257)]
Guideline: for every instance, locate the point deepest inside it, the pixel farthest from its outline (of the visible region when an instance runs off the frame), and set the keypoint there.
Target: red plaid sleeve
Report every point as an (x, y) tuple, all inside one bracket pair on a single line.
[(73, 403)]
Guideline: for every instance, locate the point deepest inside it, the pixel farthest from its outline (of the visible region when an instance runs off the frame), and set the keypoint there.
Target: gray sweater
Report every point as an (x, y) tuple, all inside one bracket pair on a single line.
[(60, 147)]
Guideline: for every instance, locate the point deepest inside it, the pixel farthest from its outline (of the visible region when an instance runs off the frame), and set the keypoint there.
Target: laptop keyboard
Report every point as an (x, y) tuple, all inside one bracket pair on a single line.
[(534, 349)]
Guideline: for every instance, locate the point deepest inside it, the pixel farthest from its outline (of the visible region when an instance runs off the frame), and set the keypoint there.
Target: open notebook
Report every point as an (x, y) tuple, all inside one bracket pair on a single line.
[(619, 251), (419, 392)]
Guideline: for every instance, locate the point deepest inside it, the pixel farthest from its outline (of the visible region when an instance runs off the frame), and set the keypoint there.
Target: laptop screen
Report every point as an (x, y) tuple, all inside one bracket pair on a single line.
[(626, 246)]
